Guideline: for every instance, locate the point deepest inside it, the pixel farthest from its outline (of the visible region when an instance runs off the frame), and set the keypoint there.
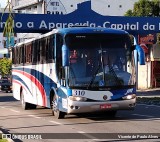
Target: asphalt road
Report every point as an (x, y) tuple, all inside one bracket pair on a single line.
[(141, 122)]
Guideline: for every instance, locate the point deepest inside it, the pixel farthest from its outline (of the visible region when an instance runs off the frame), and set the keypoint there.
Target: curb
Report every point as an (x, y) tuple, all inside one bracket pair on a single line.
[(147, 90)]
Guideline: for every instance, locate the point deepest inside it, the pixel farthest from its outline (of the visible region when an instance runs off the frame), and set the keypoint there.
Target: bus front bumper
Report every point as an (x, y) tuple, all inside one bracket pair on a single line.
[(84, 107)]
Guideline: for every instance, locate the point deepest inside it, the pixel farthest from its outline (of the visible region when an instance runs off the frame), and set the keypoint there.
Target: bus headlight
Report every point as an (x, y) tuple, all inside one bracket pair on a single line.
[(128, 97), (77, 98)]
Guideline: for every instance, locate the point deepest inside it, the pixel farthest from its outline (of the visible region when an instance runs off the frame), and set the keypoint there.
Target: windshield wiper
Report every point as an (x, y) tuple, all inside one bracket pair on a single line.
[(72, 75), (117, 80), (99, 65), (94, 76)]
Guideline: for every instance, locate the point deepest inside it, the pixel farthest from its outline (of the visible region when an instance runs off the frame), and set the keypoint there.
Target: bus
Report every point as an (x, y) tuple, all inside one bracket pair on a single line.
[(77, 70)]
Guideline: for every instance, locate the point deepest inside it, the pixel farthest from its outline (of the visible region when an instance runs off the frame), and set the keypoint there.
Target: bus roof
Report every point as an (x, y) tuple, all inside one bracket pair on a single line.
[(74, 30), (77, 30)]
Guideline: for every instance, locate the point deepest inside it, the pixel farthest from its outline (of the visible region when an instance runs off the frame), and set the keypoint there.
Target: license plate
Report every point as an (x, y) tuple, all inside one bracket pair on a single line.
[(104, 106)]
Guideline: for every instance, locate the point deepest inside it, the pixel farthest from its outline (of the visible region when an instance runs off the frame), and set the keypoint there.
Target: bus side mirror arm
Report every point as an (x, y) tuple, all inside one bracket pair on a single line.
[(65, 56), (141, 55)]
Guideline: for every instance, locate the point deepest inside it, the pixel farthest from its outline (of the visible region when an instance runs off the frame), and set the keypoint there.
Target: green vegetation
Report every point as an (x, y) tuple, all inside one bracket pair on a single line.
[(145, 8), (5, 66), (3, 140), (9, 24)]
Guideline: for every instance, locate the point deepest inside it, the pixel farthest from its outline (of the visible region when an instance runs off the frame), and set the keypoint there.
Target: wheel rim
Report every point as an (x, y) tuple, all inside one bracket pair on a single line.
[(55, 108), (55, 111)]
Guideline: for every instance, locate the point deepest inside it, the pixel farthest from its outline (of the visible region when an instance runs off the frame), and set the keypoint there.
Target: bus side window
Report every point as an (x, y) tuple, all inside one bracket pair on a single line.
[(47, 49), (34, 52), (24, 57), (59, 43), (22, 54), (43, 50), (38, 50), (25, 53), (28, 53), (50, 52), (17, 51)]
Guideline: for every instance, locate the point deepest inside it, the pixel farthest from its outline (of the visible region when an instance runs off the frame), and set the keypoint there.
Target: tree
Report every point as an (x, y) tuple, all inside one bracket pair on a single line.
[(129, 13), (145, 8), (8, 31), (5, 66)]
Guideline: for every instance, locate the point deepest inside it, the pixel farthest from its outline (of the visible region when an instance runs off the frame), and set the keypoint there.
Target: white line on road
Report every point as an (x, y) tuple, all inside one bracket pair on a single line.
[(81, 132), (143, 115), (14, 110), (55, 122), (34, 116), (88, 135), (2, 107)]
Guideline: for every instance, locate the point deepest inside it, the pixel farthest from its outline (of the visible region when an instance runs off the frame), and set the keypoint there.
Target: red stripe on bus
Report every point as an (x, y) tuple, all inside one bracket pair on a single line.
[(15, 81), (36, 82)]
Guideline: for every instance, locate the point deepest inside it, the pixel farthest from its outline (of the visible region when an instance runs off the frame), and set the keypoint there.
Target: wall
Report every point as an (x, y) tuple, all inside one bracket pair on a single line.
[(144, 76), (112, 7)]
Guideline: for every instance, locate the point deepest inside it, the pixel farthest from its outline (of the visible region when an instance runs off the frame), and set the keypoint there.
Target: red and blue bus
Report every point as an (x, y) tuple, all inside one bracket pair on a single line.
[(77, 70)]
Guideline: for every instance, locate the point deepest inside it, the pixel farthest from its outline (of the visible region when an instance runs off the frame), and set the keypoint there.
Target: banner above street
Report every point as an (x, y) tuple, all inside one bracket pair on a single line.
[(83, 16)]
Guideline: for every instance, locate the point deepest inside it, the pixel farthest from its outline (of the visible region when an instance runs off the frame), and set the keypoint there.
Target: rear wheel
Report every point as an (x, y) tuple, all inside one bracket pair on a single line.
[(32, 106), (24, 104), (55, 111)]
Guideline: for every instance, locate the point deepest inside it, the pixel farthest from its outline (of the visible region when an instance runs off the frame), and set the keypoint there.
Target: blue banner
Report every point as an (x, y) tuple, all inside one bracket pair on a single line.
[(83, 16)]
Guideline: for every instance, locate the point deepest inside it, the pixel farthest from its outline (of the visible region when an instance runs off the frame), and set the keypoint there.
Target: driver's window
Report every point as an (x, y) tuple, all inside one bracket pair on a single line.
[(59, 68)]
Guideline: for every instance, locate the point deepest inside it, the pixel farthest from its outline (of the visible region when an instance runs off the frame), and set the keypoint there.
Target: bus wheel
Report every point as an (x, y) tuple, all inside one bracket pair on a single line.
[(55, 111), (32, 106), (24, 104)]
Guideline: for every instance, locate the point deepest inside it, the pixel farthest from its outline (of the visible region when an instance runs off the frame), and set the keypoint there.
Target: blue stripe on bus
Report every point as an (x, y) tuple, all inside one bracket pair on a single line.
[(20, 80), (46, 82)]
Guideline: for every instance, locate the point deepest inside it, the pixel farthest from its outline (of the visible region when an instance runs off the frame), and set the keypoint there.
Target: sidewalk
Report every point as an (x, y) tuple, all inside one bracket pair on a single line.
[(149, 93)]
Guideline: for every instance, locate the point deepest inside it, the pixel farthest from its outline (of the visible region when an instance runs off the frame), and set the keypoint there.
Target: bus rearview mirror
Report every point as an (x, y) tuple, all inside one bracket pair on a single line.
[(141, 55)]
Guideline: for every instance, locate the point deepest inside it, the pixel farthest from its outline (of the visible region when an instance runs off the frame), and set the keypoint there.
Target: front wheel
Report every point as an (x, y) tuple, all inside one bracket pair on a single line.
[(55, 111)]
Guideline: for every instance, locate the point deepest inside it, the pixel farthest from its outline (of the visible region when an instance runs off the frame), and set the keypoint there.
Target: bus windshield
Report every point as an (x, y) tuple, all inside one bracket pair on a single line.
[(97, 60)]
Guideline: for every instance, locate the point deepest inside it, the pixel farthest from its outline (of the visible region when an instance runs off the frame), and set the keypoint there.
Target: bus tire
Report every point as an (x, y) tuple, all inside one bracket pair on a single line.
[(24, 104), (55, 111), (32, 106)]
